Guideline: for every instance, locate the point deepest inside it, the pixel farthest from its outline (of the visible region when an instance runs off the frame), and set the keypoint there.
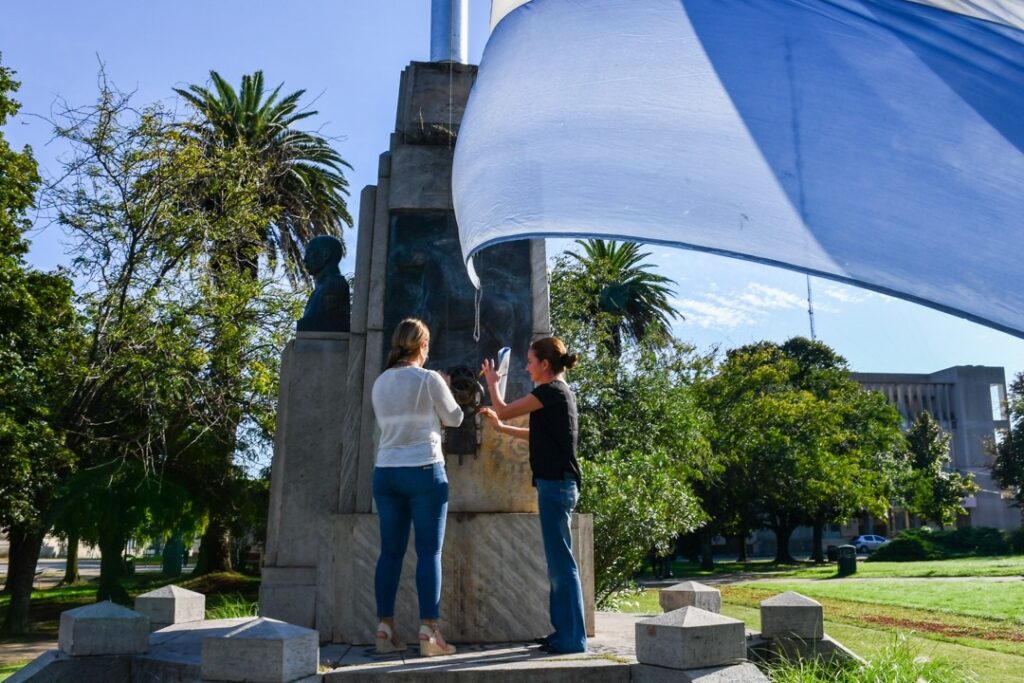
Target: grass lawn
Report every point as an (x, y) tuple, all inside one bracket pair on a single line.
[(1012, 565), (8, 669)]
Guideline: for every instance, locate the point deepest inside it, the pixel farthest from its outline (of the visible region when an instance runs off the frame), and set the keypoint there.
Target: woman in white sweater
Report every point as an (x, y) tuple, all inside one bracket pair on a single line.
[(410, 485)]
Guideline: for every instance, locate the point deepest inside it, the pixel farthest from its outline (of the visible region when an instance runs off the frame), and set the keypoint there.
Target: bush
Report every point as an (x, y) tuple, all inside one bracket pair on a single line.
[(1016, 540), (904, 548), (924, 544)]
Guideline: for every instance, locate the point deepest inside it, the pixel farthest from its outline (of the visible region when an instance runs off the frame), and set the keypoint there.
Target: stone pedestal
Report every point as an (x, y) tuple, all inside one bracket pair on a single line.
[(791, 615), (690, 594), (103, 629), (261, 651), (690, 638), (494, 579), (313, 477), (171, 605), (497, 479)]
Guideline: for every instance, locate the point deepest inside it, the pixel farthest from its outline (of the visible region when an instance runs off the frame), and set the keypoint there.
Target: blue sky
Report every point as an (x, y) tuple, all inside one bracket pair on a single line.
[(348, 55)]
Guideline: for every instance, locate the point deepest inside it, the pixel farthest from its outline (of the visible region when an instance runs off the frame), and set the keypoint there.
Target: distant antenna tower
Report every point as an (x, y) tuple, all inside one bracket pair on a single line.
[(810, 308)]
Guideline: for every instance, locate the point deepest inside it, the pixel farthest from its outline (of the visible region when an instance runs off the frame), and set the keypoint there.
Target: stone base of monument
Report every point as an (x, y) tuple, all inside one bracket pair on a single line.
[(260, 651), (494, 590)]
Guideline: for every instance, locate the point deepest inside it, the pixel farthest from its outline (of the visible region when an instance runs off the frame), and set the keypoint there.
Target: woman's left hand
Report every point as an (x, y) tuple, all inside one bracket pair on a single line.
[(487, 369)]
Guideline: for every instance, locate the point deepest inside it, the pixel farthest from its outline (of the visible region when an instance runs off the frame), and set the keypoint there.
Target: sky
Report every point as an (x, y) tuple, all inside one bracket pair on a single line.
[(348, 56)]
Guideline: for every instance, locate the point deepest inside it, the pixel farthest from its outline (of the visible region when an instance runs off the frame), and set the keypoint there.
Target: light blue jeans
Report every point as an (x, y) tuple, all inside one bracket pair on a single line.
[(555, 501), (416, 495)]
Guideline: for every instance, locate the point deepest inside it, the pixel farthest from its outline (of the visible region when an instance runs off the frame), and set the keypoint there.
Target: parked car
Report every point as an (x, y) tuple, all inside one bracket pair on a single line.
[(868, 543)]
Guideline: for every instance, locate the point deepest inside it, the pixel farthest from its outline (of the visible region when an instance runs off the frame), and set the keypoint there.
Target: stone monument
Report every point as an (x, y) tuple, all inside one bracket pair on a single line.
[(323, 539)]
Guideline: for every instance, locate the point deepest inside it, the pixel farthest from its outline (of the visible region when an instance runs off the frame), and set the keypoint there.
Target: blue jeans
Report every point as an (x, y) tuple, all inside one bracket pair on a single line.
[(418, 495), (555, 502)]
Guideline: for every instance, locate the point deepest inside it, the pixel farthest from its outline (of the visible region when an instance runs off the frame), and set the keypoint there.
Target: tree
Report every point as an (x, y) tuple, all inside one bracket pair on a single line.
[(305, 186), (303, 195), (935, 492), (801, 441), (1008, 467), (641, 437), (610, 288), (38, 329), (178, 347)]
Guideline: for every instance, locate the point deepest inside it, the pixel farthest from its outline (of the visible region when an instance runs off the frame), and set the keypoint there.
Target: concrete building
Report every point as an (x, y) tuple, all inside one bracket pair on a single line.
[(969, 402)]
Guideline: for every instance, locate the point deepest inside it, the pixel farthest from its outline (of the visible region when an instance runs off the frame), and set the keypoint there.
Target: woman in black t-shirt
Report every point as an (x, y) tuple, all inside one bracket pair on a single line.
[(556, 475)]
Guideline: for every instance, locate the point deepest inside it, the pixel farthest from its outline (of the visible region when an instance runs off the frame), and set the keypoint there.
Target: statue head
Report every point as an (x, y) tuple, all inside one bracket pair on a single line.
[(322, 252)]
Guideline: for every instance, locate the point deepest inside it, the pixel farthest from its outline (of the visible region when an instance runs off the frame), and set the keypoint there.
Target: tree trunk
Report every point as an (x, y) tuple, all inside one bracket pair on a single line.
[(816, 540), (71, 575), (25, 543), (111, 567), (215, 547), (782, 534), (707, 559), (742, 536)]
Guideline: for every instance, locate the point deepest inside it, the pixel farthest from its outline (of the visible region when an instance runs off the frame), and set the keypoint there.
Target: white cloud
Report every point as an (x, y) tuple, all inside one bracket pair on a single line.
[(734, 309), (843, 294)]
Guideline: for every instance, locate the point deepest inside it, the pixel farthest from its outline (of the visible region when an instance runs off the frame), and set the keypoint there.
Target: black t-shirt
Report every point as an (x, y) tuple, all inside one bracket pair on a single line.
[(553, 433)]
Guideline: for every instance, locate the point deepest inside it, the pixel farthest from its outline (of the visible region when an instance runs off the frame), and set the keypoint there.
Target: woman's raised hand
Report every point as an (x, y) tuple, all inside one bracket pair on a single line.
[(490, 373), (491, 415)]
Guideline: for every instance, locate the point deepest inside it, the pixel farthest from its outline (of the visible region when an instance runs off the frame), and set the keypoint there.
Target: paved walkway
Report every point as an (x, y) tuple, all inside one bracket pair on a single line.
[(24, 652)]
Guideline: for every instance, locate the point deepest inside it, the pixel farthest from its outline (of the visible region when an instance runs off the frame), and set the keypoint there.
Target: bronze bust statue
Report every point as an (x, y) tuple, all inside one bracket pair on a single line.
[(328, 307)]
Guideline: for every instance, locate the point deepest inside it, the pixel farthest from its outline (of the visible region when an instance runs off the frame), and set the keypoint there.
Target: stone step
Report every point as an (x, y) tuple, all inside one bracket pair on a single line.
[(504, 663)]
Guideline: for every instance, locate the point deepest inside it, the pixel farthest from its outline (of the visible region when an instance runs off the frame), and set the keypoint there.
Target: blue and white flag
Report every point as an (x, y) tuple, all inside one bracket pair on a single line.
[(874, 142)]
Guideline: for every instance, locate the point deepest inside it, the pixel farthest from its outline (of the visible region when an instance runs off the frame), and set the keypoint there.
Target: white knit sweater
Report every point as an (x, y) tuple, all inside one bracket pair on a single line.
[(411, 404)]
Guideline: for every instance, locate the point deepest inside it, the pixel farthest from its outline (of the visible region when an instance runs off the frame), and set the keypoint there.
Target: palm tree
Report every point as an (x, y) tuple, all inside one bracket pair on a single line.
[(624, 297), (305, 192), (307, 183)]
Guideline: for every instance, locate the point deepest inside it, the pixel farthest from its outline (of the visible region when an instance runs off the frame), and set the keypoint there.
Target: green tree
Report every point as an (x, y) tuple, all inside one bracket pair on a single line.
[(802, 443), (641, 437), (38, 329), (611, 290), (935, 491), (177, 346), (303, 193), (305, 182), (1008, 467)]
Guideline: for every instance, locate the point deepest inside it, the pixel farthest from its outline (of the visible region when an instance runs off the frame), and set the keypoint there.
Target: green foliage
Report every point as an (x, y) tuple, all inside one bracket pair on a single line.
[(182, 353), (1015, 539), (638, 502), (232, 606), (641, 439), (925, 544), (932, 491), (38, 328), (1008, 467), (898, 662), (796, 439), (304, 179), (609, 290)]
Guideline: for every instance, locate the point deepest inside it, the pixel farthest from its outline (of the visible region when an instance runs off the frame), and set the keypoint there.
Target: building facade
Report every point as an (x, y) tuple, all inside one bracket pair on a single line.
[(969, 402)]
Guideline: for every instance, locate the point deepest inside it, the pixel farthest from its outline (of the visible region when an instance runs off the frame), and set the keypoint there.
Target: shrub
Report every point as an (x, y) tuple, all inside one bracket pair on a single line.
[(1016, 540), (924, 544), (974, 540), (904, 548)]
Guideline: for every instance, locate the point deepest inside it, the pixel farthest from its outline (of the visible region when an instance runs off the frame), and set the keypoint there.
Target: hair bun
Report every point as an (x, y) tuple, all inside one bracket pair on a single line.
[(568, 359)]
